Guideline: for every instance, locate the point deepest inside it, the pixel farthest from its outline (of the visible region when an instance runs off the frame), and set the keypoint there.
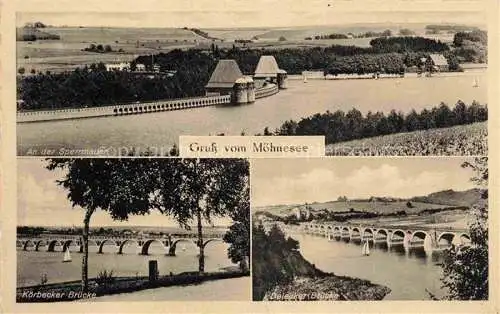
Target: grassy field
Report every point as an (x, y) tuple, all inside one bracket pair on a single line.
[(66, 53), (468, 140), (453, 219)]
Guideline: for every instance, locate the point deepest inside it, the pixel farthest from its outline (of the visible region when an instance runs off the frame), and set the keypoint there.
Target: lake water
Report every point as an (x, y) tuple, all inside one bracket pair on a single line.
[(31, 265), (407, 274), (159, 131)]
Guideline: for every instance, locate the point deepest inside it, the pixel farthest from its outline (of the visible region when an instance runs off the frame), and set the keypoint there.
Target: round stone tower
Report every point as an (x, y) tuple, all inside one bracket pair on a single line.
[(240, 91), (282, 79), (250, 89)]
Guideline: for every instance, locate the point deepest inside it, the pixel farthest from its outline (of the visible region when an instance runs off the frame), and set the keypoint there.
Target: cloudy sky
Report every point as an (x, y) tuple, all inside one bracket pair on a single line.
[(41, 202), (296, 181), (247, 13)]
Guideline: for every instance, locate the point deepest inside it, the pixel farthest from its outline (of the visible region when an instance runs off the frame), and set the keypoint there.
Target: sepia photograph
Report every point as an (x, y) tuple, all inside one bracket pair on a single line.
[(133, 230), (130, 83), (370, 229)]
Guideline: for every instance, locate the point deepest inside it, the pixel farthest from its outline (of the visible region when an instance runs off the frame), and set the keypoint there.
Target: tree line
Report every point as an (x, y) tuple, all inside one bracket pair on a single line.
[(92, 85), (340, 126)]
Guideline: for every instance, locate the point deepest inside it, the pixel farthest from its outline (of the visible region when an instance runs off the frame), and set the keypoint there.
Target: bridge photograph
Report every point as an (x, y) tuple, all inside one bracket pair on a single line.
[(391, 229), (131, 225)]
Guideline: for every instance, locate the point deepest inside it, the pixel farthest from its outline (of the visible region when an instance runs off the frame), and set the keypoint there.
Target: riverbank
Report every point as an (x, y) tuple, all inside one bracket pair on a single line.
[(328, 288), (281, 273), (70, 291)]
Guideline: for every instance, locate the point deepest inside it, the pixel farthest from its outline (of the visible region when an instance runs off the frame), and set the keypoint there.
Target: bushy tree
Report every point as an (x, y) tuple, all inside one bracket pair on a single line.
[(465, 268)]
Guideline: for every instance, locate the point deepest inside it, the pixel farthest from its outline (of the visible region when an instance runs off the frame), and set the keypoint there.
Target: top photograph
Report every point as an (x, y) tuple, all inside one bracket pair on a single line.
[(386, 83)]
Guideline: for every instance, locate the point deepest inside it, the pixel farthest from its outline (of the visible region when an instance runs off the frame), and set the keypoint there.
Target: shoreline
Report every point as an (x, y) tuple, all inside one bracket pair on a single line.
[(71, 290)]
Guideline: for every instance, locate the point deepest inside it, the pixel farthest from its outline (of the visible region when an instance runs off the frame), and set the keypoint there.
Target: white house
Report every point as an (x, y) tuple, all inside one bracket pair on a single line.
[(122, 66), (140, 67)]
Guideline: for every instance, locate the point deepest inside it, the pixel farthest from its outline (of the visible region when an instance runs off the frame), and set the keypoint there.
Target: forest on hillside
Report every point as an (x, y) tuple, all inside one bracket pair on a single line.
[(92, 85)]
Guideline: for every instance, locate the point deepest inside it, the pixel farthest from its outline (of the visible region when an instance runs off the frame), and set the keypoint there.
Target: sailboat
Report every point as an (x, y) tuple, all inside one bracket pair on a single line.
[(305, 79), (67, 256), (366, 249), (475, 83)]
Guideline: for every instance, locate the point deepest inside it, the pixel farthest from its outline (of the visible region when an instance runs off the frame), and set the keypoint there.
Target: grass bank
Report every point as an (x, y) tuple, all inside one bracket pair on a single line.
[(71, 290)]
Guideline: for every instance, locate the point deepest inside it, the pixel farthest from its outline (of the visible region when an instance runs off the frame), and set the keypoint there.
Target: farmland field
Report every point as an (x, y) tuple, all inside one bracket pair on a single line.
[(374, 206), (66, 53), (458, 140)]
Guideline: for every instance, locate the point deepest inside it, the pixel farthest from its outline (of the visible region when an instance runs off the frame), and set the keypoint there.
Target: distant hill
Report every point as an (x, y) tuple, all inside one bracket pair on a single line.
[(447, 199), (451, 197)]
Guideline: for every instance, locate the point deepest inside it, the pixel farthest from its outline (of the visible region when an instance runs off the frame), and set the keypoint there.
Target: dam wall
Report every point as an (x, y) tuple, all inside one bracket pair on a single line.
[(116, 110)]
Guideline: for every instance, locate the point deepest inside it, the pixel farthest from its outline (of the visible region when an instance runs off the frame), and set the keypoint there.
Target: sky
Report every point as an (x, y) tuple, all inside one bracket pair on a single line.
[(296, 181), (41, 202), (247, 13)]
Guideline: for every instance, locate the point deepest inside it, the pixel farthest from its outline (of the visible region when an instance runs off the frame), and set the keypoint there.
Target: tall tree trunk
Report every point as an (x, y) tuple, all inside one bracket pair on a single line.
[(85, 258), (201, 258)]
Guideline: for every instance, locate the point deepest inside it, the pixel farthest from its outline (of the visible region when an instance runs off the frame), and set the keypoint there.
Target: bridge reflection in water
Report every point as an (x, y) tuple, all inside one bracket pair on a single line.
[(394, 239), (168, 245)]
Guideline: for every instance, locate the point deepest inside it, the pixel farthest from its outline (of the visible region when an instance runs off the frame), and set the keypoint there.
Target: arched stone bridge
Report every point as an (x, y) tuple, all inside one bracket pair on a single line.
[(429, 238), (51, 244)]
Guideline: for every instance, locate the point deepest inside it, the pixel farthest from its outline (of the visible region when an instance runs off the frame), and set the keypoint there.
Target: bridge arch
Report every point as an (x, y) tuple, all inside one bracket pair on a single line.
[(51, 246), (122, 245), (147, 244), (382, 234), (418, 235), (173, 247), (26, 244), (211, 240), (397, 235), (446, 238), (368, 233), (39, 243), (465, 239), (91, 243), (346, 232), (355, 232), (420, 238), (101, 246), (67, 244), (337, 231)]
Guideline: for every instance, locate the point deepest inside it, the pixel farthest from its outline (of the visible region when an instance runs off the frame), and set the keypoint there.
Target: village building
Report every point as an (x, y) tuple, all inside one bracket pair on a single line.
[(122, 66), (140, 67), (436, 63)]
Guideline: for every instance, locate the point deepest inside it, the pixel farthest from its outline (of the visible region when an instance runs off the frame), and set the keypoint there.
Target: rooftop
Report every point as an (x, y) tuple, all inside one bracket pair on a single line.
[(267, 67), (438, 59), (225, 74)]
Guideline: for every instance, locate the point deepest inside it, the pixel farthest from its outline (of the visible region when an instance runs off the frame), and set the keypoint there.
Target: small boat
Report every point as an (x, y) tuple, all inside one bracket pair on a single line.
[(183, 248), (67, 256), (366, 249), (475, 83)]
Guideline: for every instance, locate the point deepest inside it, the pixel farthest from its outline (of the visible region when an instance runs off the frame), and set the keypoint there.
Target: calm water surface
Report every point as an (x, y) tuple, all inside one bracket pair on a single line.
[(159, 131), (31, 265), (407, 274)]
